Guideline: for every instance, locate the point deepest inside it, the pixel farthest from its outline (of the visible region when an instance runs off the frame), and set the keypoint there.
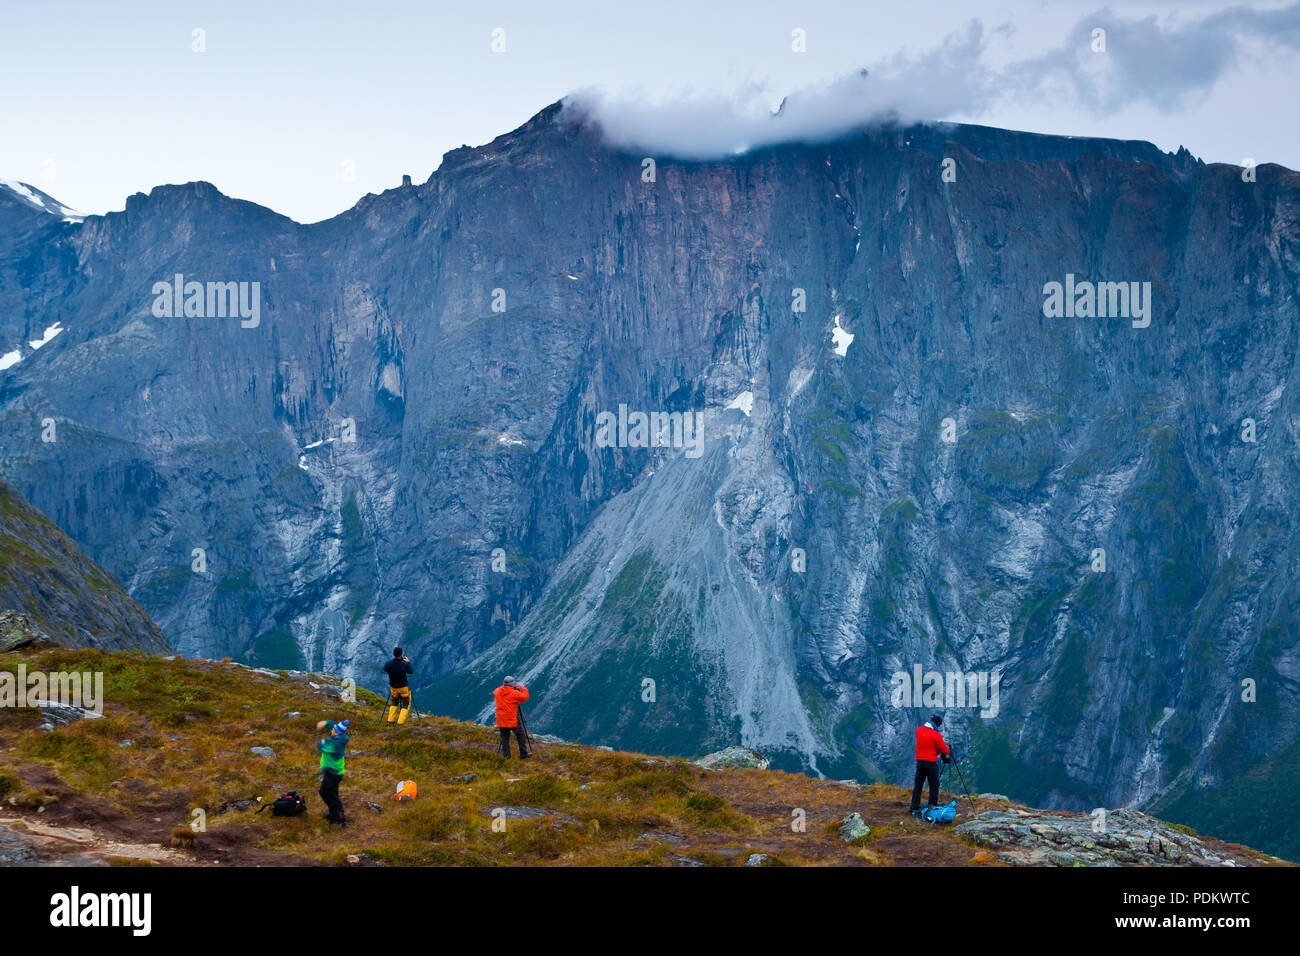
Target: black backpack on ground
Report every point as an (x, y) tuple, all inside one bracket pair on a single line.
[(288, 805)]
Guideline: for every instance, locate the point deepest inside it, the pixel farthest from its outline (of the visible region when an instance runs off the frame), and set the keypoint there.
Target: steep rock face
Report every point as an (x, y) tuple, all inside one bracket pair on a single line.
[(947, 477), (58, 592)]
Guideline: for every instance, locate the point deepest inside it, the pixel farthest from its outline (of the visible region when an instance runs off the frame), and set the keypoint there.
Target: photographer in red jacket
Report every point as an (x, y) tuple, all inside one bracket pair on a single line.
[(508, 697), (929, 746)]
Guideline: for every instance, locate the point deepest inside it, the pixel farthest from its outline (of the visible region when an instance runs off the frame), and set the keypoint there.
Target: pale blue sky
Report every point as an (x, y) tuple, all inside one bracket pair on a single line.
[(104, 99)]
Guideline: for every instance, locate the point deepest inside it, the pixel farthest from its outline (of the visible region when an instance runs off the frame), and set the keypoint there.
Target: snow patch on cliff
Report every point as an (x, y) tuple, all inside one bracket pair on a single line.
[(47, 337), (842, 338), (744, 401), (39, 200)]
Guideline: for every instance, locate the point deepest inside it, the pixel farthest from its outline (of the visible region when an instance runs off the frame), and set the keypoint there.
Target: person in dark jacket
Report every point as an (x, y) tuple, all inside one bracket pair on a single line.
[(399, 688), (930, 745)]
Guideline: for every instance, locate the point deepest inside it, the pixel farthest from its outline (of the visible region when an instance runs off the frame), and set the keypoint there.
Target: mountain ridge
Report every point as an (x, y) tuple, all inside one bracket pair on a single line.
[(475, 432), (563, 112)]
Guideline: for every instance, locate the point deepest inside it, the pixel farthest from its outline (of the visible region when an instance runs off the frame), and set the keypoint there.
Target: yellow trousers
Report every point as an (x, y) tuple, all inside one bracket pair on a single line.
[(400, 702)]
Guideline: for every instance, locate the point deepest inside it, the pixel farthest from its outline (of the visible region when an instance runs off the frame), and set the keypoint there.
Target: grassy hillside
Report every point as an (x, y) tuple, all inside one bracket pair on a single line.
[(176, 735)]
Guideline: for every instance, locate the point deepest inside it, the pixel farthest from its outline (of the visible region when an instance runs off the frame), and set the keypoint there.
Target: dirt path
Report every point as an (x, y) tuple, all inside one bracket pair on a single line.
[(25, 841), (82, 830)]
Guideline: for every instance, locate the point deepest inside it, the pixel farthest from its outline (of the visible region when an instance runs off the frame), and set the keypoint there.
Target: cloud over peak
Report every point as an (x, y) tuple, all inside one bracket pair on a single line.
[(1105, 63)]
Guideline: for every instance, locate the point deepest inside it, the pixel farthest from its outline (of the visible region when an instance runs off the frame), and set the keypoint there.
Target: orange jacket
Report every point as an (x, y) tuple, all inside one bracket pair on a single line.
[(508, 701), (929, 743)]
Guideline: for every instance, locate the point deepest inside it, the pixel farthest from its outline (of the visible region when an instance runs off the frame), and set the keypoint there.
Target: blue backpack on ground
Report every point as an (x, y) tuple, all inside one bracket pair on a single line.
[(941, 814)]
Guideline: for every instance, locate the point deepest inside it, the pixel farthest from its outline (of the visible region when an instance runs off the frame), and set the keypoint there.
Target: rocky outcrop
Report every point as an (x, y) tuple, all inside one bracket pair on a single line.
[(18, 631), (1106, 838), (734, 758)]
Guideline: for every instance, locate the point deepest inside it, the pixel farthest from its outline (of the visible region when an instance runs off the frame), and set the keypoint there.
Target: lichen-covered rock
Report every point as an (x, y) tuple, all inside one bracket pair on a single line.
[(853, 827), (734, 758), (1117, 838)]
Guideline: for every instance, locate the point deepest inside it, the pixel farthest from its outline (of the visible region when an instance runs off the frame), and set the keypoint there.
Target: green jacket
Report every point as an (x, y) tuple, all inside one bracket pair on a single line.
[(331, 750)]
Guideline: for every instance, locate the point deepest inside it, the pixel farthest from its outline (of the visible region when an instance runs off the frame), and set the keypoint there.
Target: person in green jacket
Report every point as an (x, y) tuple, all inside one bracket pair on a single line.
[(331, 767)]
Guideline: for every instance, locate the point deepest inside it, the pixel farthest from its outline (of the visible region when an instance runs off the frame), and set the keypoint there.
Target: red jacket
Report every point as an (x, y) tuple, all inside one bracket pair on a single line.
[(929, 743), (508, 701)]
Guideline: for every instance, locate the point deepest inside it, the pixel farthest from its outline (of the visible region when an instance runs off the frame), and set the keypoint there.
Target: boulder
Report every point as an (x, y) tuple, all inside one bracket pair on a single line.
[(262, 751), (853, 827), (734, 758)]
